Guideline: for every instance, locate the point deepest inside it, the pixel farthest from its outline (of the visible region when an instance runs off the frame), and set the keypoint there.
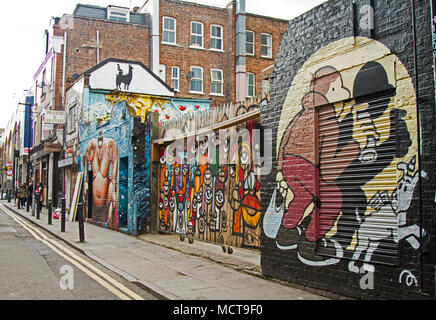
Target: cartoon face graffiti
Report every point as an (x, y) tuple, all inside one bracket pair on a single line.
[(336, 147)]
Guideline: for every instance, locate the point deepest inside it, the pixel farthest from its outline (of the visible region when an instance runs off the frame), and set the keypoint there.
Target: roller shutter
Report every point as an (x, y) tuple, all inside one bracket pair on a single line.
[(355, 187)]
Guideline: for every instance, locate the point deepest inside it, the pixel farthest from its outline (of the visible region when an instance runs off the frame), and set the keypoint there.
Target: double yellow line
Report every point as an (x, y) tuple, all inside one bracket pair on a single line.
[(102, 278)]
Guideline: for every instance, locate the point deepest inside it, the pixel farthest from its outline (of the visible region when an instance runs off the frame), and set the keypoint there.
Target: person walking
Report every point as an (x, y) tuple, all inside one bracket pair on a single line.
[(22, 196)]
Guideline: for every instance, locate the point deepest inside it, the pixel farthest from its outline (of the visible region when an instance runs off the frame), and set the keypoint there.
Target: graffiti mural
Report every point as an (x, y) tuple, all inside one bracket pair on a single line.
[(217, 202), (346, 159)]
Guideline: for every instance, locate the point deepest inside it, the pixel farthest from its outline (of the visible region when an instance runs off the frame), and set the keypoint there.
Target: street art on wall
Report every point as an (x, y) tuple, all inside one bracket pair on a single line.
[(115, 149), (168, 108), (218, 202), (346, 159)]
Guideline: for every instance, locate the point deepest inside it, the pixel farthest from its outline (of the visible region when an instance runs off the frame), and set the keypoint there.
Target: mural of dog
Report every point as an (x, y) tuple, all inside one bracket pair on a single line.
[(394, 207)]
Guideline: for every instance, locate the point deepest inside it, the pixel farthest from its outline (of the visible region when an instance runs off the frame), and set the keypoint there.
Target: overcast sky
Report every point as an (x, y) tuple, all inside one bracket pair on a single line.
[(23, 24)]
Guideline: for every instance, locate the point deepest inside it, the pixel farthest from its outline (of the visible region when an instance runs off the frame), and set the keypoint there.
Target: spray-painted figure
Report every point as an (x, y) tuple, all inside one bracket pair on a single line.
[(394, 207)]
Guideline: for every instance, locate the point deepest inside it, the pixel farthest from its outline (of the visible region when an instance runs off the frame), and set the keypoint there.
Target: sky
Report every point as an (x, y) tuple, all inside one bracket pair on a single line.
[(23, 24)]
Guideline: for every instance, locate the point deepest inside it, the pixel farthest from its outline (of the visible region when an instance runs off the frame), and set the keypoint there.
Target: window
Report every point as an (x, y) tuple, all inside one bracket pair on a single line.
[(249, 46), (265, 85), (196, 85), (72, 118), (118, 14), (175, 74), (216, 81), (250, 84), (266, 45), (169, 30), (216, 37), (197, 34)]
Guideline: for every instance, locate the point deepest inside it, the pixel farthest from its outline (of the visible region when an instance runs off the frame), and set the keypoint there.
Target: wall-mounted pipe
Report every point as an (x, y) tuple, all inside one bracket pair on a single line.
[(418, 123)]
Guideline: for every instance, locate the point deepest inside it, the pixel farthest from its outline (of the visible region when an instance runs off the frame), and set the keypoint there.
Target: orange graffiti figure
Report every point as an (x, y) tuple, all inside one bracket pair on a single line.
[(102, 155)]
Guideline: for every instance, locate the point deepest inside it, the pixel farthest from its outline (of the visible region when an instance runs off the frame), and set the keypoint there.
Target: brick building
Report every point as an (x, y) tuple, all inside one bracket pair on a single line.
[(74, 44), (223, 54)]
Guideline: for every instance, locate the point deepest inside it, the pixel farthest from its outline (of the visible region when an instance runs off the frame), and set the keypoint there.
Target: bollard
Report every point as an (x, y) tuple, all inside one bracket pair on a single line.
[(81, 224), (28, 202), (33, 205), (18, 202), (2, 193), (49, 212), (9, 195), (38, 207), (63, 215)]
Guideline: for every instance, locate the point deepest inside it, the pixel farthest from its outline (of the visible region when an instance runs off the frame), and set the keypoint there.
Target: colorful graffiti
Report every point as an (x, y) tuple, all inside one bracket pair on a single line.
[(219, 203), (346, 159)]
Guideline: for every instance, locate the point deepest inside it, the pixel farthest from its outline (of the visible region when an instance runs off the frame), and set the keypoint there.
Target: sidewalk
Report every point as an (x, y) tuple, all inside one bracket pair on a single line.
[(173, 269)]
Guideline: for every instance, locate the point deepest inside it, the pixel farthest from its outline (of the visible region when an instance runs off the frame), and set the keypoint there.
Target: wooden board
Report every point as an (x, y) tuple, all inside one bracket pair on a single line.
[(76, 194)]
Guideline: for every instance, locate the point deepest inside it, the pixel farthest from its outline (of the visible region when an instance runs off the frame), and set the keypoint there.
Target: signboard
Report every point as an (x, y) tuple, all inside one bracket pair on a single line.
[(76, 195), (9, 164), (54, 117), (9, 173)]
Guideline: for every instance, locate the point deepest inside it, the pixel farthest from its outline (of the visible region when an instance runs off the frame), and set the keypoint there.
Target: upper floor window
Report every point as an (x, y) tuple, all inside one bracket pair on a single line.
[(118, 14), (169, 30), (216, 81), (266, 45), (72, 118), (196, 85), (249, 46), (216, 37), (196, 34), (175, 76), (250, 78)]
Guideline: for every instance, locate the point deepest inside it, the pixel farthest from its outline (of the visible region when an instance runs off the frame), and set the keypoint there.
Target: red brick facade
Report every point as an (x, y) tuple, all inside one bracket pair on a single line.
[(182, 55)]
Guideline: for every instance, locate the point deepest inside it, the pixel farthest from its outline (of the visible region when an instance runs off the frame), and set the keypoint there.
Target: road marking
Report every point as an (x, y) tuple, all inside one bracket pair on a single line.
[(109, 283)]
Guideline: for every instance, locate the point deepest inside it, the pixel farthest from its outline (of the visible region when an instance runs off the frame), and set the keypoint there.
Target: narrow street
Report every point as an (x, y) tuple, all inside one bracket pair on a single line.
[(35, 266)]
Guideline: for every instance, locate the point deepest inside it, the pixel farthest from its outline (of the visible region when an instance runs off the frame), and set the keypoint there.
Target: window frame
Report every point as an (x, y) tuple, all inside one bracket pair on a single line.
[(266, 45), (220, 82), (247, 85), (221, 38), (195, 46), (175, 79), (252, 43), (196, 79), (118, 12), (168, 30)]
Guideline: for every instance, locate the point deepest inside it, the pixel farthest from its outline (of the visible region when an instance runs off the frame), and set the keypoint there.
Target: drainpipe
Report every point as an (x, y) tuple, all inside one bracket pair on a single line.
[(240, 51), (63, 69), (154, 36), (418, 123)]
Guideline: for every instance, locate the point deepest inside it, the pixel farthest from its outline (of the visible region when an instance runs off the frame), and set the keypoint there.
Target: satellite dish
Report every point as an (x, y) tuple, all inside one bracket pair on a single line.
[(190, 75), (75, 76)]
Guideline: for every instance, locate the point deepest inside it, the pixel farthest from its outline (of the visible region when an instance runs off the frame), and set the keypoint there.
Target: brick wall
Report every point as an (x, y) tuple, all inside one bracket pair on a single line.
[(117, 40), (182, 56), (295, 247)]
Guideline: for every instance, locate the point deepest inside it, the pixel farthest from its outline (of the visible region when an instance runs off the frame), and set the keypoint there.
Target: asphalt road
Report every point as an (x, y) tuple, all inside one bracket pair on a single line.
[(36, 266)]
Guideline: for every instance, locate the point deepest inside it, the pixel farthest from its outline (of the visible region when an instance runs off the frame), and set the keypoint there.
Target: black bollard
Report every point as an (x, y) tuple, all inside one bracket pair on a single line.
[(38, 206), (81, 224), (33, 205), (19, 202), (28, 203), (49, 212), (63, 215), (9, 195), (2, 194)]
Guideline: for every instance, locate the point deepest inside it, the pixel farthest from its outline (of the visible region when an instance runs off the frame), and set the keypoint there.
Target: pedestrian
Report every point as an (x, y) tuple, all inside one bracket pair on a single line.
[(22, 195)]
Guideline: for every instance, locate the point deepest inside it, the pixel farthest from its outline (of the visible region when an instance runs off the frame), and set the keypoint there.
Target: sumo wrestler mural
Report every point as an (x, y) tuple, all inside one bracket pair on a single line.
[(347, 162), (217, 202)]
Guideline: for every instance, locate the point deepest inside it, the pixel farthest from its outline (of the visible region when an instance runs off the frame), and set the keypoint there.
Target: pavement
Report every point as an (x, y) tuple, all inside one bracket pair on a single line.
[(173, 269)]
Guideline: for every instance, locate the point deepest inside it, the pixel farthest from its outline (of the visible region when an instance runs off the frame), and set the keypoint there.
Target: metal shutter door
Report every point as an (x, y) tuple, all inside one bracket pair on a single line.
[(362, 193)]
